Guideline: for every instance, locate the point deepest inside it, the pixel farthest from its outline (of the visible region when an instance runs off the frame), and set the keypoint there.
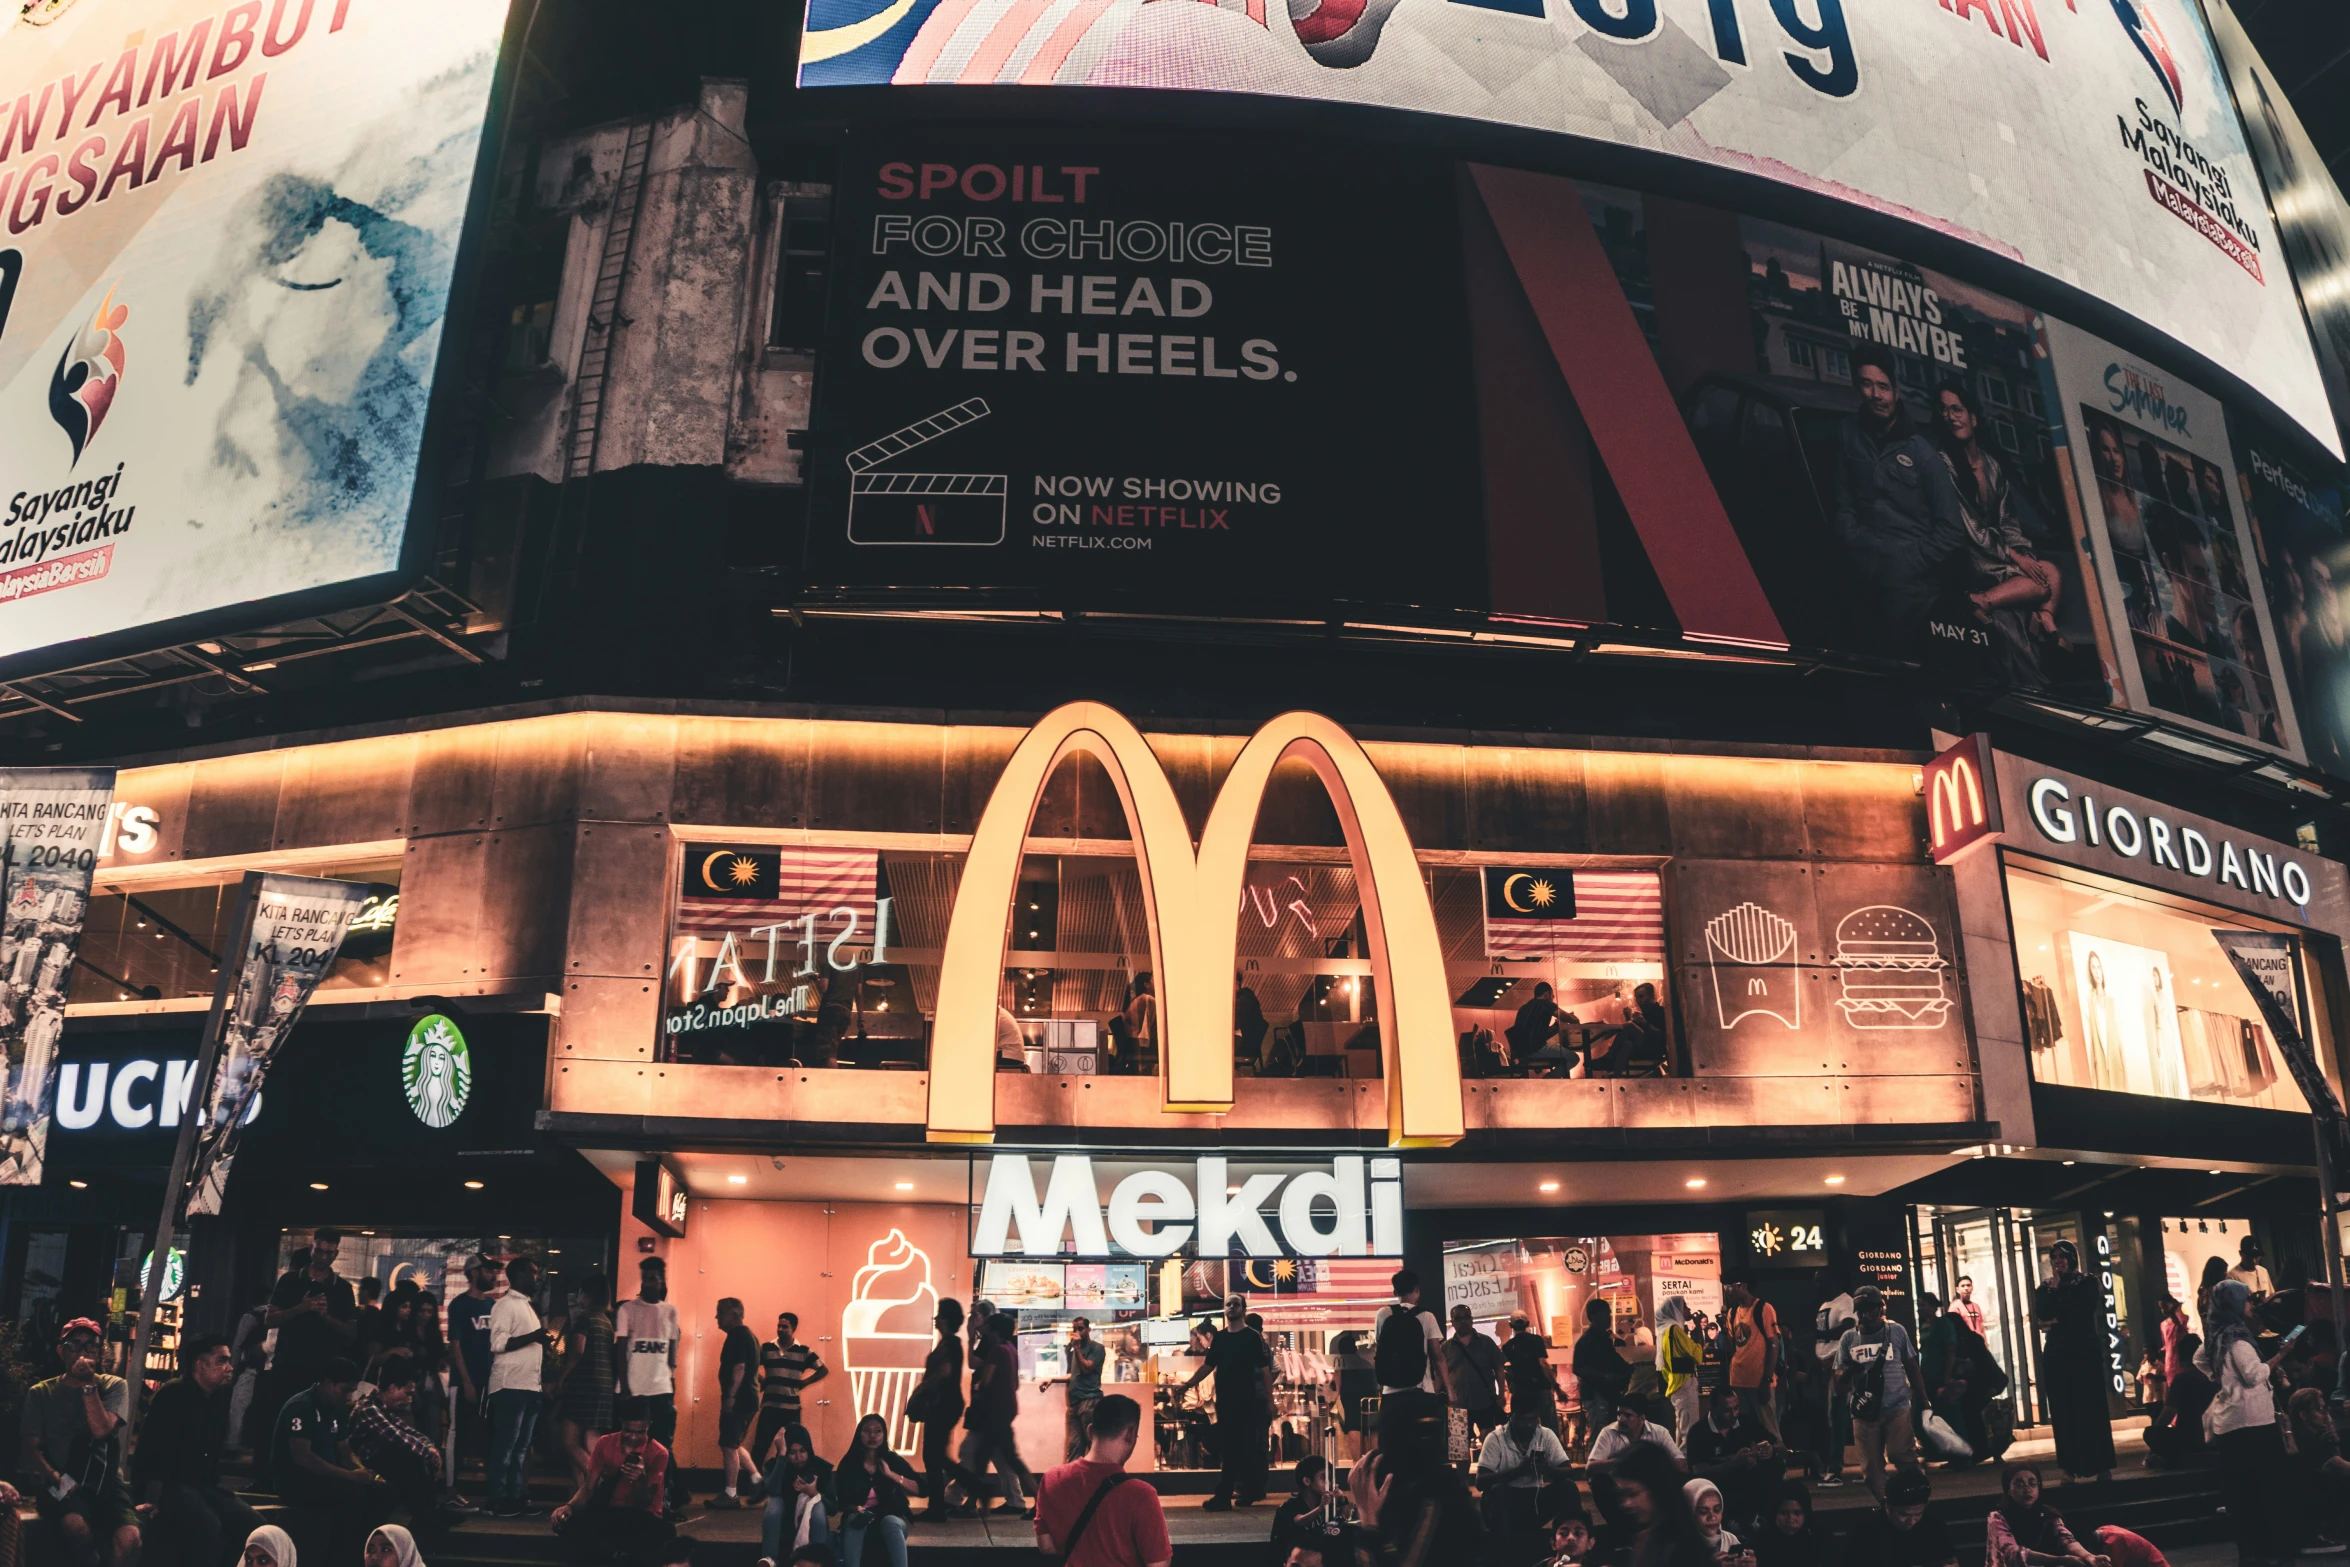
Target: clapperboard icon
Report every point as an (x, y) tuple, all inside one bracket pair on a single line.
[(924, 508)]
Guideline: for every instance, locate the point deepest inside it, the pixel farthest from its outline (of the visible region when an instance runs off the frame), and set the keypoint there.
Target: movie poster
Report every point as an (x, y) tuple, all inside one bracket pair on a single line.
[(230, 237), (297, 930), (2156, 477), (1880, 436), (53, 823)]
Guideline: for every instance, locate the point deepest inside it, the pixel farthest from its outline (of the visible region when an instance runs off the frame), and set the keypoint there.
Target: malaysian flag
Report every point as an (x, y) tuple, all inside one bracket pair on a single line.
[(740, 887), (1580, 916), (1349, 1278)]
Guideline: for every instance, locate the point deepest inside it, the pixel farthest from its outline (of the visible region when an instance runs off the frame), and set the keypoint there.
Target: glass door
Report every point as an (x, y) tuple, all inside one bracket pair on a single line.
[(1982, 1258)]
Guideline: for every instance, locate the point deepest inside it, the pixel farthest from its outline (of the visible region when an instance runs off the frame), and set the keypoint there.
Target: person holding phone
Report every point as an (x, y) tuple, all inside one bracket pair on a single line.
[(316, 1316), (618, 1506), (72, 1427)]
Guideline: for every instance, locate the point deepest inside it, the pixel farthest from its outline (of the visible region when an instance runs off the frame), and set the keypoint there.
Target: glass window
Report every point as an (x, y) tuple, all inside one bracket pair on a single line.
[(2125, 990), (164, 943), (774, 958)]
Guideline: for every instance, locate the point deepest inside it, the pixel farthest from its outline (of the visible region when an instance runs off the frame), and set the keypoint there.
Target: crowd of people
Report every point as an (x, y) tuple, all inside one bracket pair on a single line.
[(1689, 1437)]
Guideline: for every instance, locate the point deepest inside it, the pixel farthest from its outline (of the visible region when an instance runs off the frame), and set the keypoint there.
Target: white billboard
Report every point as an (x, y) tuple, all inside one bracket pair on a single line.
[(227, 230), (2166, 524), (2093, 140)]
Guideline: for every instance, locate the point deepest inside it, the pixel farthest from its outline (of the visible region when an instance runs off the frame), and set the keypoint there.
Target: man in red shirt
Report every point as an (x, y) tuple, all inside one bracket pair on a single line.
[(1096, 1514), (618, 1506)]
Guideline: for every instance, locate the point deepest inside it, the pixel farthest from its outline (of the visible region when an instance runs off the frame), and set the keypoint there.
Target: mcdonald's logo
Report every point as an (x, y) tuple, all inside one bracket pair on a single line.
[(1962, 800), (1193, 906)]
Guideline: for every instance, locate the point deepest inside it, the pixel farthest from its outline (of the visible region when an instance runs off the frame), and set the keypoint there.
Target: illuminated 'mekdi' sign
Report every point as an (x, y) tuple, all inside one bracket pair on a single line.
[(1193, 905)]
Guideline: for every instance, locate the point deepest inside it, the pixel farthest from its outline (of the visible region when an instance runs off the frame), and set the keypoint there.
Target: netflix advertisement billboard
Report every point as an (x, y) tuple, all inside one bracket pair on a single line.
[(227, 235), (1134, 374)]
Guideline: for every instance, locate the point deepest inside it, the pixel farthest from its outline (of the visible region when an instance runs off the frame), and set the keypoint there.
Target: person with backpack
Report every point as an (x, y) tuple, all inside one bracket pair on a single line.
[(1407, 1343), (1091, 1513), (1877, 1369)]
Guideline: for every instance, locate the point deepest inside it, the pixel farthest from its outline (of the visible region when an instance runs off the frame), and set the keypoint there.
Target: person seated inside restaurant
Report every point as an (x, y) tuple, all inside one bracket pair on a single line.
[(1537, 1037), (1730, 1447), (1639, 1046)]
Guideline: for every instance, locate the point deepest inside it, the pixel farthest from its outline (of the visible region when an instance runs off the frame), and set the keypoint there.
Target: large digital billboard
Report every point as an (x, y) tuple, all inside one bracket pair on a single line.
[(230, 235), (2094, 142)]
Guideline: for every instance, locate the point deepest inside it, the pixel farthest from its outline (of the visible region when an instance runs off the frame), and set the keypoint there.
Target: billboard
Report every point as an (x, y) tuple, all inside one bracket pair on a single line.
[(1114, 370), (2193, 637), (2096, 144), (230, 233), (2312, 219), (2301, 523)]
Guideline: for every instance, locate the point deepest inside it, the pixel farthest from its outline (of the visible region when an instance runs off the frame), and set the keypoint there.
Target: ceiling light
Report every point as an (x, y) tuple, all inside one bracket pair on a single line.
[(1835, 1180), (905, 1186), (318, 1186), (1548, 1186), (2069, 1163), (738, 1180), (2215, 1172), (473, 1186), (79, 1186), (1694, 1182)]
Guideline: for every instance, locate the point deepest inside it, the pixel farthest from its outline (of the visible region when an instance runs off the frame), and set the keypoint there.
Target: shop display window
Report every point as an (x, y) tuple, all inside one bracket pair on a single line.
[(1554, 1280), (162, 943), (2125, 990), (828, 955)]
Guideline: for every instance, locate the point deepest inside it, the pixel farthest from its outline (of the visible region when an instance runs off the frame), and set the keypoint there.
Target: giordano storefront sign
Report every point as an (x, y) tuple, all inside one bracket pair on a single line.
[(1193, 906), (1350, 1207), (2065, 815)]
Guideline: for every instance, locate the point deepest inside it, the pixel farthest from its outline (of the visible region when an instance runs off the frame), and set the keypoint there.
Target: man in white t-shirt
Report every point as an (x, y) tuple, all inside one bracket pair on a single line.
[(1392, 1358), (518, 1347), (644, 1341), (1628, 1430)]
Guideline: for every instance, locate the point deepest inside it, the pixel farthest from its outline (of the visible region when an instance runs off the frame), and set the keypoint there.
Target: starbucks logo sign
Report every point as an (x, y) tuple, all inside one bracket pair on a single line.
[(175, 1272), (436, 1070)]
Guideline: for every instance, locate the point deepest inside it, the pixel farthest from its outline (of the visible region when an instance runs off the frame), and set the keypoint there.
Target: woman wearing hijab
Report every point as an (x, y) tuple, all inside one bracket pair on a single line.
[(1786, 1538), (269, 1546), (2072, 1359), (1706, 1505), (2024, 1531), (1677, 1359), (391, 1546), (2242, 1421)]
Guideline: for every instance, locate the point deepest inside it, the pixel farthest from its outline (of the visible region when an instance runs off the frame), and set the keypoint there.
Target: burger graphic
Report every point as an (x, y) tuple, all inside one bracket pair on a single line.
[(885, 1331), (1889, 968)]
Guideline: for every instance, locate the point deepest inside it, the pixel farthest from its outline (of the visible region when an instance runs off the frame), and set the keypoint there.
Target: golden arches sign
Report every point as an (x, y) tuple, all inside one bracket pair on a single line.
[(1193, 906)]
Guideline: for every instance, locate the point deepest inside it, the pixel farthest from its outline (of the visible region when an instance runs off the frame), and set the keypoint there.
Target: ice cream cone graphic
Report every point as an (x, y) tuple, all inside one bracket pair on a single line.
[(885, 1332)]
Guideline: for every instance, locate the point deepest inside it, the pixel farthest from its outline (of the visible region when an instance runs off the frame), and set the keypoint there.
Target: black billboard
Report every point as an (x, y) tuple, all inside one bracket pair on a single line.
[(1122, 372)]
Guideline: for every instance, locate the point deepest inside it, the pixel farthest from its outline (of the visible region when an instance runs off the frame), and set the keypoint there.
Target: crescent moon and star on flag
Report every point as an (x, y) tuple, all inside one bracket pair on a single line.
[(1515, 893), (730, 871)]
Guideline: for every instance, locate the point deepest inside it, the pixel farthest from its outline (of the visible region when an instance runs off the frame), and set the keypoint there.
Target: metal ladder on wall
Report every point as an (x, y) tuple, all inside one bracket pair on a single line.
[(604, 304)]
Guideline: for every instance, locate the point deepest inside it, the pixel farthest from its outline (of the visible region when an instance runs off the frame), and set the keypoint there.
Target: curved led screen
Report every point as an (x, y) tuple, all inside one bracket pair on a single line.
[(230, 234), (2092, 140)]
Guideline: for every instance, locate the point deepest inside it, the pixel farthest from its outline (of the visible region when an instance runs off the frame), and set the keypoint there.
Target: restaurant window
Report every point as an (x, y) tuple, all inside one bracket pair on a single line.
[(2126, 990), (164, 943), (828, 955), (1554, 1280)]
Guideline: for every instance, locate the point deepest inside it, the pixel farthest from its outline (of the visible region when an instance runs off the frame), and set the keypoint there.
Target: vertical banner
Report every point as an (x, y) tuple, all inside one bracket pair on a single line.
[(296, 929), (2267, 963), (52, 827)]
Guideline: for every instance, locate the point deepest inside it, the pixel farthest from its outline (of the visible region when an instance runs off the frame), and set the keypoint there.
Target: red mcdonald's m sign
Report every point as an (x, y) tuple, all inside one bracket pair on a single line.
[(1962, 800)]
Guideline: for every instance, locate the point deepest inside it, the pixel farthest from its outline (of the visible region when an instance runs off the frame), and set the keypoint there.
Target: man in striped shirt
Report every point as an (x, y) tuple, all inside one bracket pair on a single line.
[(787, 1369)]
